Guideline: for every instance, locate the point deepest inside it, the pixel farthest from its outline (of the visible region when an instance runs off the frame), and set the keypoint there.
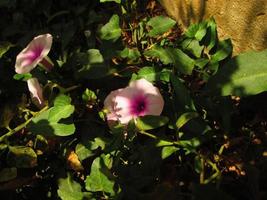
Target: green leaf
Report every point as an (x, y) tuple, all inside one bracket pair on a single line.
[(47, 122), (62, 100), (149, 122), (224, 50), (193, 46), (212, 34), (181, 61), (4, 47), (89, 96), (190, 146), (184, 118), (165, 75), (99, 179), (160, 25), (23, 77), (44, 127), (69, 189), (161, 53), (149, 73), (21, 157), (183, 99), (197, 31), (162, 143), (197, 164), (61, 129), (201, 62), (111, 30), (83, 151), (60, 112), (245, 74), (7, 174), (168, 151), (132, 54), (93, 65), (116, 1)]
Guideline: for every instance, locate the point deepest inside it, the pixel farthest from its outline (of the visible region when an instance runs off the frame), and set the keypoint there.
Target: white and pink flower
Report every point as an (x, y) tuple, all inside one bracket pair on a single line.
[(35, 53), (140, 98), (36, 91)]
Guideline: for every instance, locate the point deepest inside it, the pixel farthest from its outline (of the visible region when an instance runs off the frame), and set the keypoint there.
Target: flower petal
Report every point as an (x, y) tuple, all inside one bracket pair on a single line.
[(155, 104), (155, 100), (145, 86), (138, 99), (123, 104), (36, 90), (109, 104), (33, 54)]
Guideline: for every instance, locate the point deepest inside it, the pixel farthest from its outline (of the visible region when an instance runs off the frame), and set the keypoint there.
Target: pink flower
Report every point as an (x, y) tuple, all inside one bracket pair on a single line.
[(36, 91), (138, 99), (35, 53)]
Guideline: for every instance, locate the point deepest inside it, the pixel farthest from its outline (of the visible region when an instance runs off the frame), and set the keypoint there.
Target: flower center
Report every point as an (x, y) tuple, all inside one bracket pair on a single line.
[(139, 106), (35, 53)]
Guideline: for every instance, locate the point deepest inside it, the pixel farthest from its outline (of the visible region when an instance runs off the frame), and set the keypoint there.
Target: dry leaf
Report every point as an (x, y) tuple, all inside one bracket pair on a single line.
[(74, 162)]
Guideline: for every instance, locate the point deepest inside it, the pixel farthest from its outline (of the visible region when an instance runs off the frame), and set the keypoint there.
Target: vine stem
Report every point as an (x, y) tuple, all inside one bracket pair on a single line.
[(65, 90), (21, 126), (148, 134), (167, 143), (202, 173)]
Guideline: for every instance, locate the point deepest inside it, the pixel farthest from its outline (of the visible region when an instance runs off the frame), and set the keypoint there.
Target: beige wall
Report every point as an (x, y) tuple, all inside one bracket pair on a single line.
[(244, 21)]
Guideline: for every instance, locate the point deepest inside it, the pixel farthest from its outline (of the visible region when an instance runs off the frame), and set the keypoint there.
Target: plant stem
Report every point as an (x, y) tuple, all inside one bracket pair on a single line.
[(167, 143), (148, 134), (21, 126), (202, 173), (65, 90)]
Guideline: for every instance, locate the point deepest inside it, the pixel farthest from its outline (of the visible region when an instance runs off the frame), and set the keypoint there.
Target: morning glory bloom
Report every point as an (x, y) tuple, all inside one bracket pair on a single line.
[(140, 98), (36, 91), (35, 53)]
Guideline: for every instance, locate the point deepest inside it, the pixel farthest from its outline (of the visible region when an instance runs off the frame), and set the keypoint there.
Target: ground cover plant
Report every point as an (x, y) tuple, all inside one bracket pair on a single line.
[(109, 99)]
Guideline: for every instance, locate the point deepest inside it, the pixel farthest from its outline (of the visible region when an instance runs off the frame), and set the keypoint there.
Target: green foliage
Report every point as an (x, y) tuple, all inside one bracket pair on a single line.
[(168, 151), (66, 148), (68, 189), (184, 118), (201, 42), (89, 96), (182, 96), (111, 30), (178, 58), (243, 75), (117, 1), (160, 25), (88, 149), (150, 122), (197, 31), (131, 54), (23, 77), (21, 157), (193, 46), (91, 65), (4, 47), (100, 178), (148, 73), (48, 122)]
